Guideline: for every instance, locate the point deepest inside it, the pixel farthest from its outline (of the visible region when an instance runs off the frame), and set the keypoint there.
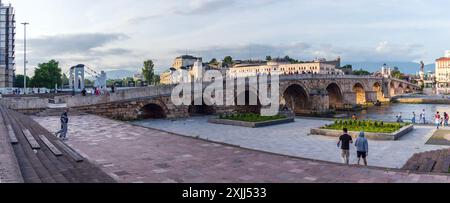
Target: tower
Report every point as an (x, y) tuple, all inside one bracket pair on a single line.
[(7, 45), (76, 79)]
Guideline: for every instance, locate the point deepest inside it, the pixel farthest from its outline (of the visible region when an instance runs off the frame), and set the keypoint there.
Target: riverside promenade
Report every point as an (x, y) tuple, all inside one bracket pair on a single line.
[(134, 154)]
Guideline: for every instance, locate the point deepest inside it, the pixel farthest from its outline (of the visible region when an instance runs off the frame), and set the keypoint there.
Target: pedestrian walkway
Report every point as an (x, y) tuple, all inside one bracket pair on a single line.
[(136, 154), (293, 139)]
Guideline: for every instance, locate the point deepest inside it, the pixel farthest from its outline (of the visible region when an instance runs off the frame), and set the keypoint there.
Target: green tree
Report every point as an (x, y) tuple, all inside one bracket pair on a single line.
[(157, 79), (347, 67), (88, 83), (18, 81), (268, 58), (149, 71), (213, 61), (228, 61), (361, 72), (47, 75), (65, 80), (291, 60), (396, 74)]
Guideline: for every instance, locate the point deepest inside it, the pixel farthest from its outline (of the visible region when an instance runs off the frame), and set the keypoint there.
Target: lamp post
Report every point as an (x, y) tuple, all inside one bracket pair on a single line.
[(25, 58)]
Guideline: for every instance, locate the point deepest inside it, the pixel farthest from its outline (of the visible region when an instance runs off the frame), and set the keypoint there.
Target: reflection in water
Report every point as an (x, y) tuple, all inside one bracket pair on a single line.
[(389, 112)]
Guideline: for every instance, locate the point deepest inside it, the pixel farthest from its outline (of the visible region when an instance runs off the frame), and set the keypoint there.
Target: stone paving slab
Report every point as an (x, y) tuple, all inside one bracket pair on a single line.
[(9, 168), (294, 140), (133, 154)]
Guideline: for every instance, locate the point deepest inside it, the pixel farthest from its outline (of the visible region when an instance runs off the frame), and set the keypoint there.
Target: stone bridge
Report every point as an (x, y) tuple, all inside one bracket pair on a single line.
[(303, 94)]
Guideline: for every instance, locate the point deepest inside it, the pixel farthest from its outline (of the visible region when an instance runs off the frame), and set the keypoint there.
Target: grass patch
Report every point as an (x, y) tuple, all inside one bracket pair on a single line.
[(254, 118), (366, 126)]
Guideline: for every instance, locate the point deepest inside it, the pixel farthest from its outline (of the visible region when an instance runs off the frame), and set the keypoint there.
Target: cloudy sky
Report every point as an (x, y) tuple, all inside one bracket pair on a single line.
[(113, 34)]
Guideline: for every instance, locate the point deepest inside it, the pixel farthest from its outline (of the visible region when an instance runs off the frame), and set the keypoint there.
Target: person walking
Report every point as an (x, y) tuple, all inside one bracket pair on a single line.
[(424, 117), (64, 126), (362, 146), (84, 92), (413, 120), (344, 143), (446, 119), (399, 118), (437, 120)]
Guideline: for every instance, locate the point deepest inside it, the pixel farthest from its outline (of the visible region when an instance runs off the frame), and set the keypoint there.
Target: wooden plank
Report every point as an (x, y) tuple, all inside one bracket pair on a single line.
[(72, 153), (12, 135), (33, 143), (52, 147)]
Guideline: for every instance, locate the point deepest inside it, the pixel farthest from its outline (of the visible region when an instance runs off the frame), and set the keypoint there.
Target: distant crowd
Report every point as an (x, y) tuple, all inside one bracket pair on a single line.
[(98, 91)]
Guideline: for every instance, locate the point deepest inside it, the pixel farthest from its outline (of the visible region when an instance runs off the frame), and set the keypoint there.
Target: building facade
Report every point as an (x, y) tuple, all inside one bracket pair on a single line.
[(7, 45), (283, 67), (184, 64), (443, 70), (185, 61)]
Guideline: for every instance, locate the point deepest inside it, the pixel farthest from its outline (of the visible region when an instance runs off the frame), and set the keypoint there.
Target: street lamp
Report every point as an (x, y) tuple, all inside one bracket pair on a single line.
[(25, 58)]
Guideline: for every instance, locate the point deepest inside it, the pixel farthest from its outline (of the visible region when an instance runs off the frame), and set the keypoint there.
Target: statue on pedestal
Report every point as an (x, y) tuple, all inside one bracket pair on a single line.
[(422, 74)]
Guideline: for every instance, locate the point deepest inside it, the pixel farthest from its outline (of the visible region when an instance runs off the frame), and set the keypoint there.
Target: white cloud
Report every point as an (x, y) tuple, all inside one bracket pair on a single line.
[(357, 30)]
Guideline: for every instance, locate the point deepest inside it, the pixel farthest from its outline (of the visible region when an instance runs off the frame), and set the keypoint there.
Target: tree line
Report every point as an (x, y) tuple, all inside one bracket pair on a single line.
[(49, 75)]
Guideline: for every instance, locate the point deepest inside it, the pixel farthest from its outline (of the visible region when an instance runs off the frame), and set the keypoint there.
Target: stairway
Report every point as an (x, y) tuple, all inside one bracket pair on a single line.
[(437, 161), (42, 158)]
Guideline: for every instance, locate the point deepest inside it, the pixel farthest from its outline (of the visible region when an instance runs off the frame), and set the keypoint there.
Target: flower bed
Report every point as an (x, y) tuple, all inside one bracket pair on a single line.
[(251, 117), (366, 126), (376, 130), (251, 120)]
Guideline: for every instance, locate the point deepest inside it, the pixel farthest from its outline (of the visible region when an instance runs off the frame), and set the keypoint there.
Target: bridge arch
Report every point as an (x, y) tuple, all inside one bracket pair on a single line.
[(336, 98), (379, 90), (408, 89), (153, 110), (360, 92), (296, 98)]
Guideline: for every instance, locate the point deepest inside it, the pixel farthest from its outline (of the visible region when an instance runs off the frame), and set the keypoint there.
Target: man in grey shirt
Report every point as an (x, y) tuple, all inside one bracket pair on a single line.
[(64, 126)]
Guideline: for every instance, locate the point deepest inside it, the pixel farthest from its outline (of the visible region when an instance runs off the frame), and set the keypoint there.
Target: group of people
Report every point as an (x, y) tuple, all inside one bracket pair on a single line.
[(361, 144), (98, 91), (438, 119), (441, 120)]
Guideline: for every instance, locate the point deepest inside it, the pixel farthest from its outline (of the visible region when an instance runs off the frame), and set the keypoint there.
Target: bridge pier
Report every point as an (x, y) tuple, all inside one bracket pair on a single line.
[(350, 98), (320, 102), (371, 96)]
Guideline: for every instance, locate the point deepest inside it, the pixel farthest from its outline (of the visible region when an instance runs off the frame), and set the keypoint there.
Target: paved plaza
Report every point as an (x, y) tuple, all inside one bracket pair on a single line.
[(294, 140), (136, 154)]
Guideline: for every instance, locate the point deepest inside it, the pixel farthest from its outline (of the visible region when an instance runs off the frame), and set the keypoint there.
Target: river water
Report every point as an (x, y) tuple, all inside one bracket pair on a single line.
[(389, 112)]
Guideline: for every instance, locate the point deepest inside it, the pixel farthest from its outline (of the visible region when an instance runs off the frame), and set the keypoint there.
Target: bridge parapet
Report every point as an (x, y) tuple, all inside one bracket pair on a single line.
[(121, 95)]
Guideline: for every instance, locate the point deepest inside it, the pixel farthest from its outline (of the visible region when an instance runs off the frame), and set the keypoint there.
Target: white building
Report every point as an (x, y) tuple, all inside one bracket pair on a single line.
[(283, 67), (185, 61), (443, 70), (386, 71), (192, 73)]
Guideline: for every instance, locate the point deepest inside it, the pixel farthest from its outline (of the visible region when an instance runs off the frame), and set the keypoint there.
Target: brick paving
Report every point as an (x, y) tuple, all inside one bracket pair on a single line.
[(133, 154), (293, 139)]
